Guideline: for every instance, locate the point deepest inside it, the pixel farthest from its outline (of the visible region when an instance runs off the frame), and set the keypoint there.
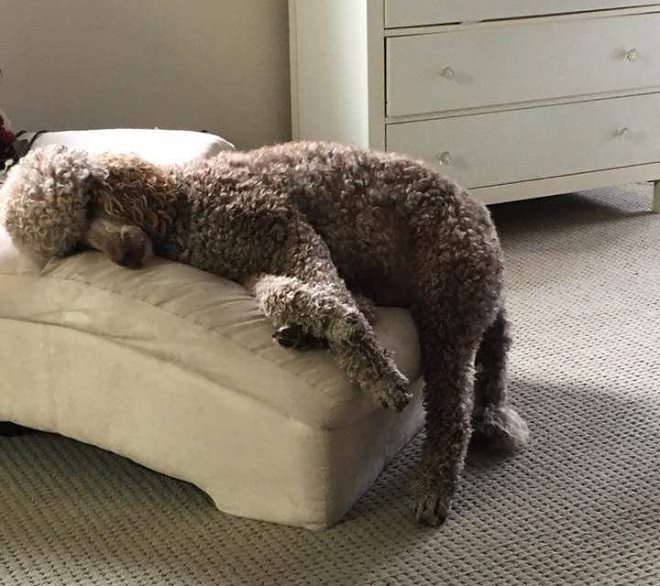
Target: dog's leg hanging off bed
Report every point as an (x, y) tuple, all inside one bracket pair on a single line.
[(320, 312)]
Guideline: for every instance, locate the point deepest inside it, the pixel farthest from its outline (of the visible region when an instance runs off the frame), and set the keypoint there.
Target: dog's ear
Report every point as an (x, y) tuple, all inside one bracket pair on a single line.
[(135, 191), (45, 197)]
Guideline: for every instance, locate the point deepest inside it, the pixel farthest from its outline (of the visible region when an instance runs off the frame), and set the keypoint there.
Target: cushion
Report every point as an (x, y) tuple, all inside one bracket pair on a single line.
[(177, 370), (163, 147)]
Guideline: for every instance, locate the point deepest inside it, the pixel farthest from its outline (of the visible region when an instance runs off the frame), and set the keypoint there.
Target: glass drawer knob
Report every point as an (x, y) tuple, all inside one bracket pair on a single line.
[(444, 158), (631, 55), (448, 73)]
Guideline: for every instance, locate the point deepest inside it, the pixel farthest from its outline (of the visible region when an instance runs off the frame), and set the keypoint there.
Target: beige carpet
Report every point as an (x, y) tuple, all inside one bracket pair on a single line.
[(580, 507)]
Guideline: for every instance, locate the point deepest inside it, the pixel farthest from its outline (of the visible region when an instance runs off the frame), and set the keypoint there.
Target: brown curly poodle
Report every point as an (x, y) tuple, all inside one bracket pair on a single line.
[(305, 226)]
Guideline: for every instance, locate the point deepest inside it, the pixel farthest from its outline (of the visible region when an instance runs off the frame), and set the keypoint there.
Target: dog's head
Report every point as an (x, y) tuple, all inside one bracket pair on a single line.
[(44, 200)]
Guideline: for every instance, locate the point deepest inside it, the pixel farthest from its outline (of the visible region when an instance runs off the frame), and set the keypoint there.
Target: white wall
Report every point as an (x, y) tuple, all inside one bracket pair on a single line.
[(219, 65)]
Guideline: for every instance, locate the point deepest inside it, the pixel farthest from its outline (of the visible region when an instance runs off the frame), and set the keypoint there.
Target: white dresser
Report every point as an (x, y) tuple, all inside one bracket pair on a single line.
[(514, 98)]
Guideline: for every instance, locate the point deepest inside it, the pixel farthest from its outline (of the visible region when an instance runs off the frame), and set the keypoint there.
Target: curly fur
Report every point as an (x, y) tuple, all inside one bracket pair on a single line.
[(48, 200), (302, 225)]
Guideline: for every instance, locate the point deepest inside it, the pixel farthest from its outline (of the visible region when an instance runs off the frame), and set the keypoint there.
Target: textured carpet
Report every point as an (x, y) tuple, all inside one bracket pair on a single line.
[(581, 506)]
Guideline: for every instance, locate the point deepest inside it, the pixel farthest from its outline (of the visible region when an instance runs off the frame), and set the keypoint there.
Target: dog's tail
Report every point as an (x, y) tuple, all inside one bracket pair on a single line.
[(495, 422)]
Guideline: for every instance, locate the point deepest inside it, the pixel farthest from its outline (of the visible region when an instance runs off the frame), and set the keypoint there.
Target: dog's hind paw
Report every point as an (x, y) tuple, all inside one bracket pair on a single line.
[(393, 393), (293, 336), (431, 510)]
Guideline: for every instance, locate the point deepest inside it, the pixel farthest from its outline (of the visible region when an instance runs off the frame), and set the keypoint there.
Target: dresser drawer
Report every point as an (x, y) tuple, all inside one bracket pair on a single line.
[(519, 145), (401, 13), (521, 62)]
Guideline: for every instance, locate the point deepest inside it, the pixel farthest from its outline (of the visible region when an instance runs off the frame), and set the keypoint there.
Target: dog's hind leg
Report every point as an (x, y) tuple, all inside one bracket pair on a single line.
[(495, 422), (326, 311), (294, 336), (367, 307), (449, 344), (304, 289), (457, 271)]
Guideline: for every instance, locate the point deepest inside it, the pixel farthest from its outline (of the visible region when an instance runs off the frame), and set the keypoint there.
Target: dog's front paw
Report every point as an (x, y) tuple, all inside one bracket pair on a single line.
[(293, 336), (393, 392), (130, 247)]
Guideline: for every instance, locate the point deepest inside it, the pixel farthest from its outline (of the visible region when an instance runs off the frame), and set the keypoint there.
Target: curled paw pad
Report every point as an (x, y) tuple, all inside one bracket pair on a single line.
[(293, 336)]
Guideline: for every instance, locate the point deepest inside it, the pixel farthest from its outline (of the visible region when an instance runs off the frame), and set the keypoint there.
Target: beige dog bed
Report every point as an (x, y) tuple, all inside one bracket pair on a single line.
[(176, 369)]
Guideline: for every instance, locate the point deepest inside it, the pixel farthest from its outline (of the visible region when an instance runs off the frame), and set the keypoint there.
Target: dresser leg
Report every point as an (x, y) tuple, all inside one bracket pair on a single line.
[(656, 197)]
